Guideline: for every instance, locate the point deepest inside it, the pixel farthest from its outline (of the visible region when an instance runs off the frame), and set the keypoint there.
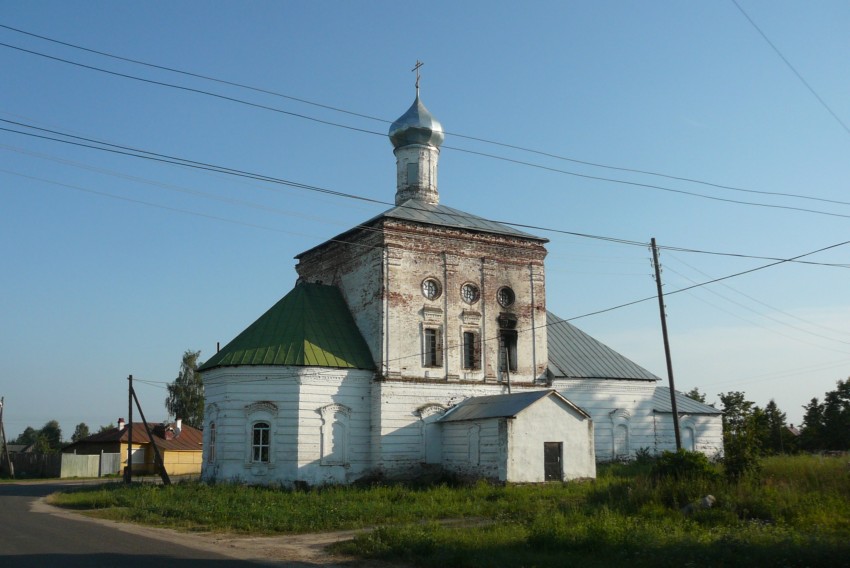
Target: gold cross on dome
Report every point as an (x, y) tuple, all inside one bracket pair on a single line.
[(416, 68)]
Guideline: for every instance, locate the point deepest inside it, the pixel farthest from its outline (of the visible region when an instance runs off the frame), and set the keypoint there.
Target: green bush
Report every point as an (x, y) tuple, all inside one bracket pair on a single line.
[(683, 465)]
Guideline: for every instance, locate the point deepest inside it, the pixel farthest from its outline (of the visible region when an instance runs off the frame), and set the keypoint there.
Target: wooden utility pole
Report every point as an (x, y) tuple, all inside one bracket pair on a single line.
[(128, 474), (3, 437), (159, 461), (666, 345)]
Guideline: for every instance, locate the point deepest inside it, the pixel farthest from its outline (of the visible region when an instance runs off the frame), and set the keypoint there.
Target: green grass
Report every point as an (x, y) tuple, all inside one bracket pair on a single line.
[(796, 513)]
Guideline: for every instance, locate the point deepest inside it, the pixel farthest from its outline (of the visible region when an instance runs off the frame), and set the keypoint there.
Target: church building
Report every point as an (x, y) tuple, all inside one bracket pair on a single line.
[(420, 339)]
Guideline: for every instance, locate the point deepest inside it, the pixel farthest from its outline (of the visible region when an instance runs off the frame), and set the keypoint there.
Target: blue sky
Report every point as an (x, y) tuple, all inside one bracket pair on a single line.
[(114, 265)]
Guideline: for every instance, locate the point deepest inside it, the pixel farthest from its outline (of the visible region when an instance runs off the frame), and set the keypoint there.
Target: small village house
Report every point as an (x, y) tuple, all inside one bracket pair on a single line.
[(179, 445)]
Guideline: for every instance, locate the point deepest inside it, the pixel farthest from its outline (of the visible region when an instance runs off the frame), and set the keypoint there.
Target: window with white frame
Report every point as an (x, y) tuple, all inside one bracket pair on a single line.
[(260, 420), (261, 442)]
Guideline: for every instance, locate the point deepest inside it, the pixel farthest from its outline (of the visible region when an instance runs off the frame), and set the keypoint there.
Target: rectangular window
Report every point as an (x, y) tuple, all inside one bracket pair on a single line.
[(471, 350), (138, 455), (432, 348), (260, 445), (507, 350)]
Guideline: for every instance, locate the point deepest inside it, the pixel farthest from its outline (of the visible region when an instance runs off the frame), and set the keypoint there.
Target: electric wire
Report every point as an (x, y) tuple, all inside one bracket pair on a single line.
[(768, 317), (464, 150), (757, 301), (173, 160), (455, 134), (792, 68)]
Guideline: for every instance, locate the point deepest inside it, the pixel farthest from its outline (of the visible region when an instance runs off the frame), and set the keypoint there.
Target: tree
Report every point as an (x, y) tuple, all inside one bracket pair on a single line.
[(741, 444), (836, 417), (47, 440), (80, 432), (186, 394), (811, 436), (106, 428), (694, 394), (27, 437), (776, 439), (826, 425)]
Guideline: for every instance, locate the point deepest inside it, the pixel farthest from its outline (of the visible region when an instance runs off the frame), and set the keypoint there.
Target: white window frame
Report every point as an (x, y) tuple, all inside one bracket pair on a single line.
[(256, 413)]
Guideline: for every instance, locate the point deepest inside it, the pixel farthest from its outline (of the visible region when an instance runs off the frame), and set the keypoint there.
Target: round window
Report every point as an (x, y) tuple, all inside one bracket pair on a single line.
[(505, 296), (431, 288), (469, 293)]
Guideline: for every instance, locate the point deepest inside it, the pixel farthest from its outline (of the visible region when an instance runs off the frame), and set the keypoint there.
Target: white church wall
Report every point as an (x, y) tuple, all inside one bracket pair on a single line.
[(611, 404), (334, 426), (698, 432), (398, 425), (240, 397), (290, 400)]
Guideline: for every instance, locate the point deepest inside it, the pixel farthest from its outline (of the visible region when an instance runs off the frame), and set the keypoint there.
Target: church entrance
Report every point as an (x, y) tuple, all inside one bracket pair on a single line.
[(552, 452)]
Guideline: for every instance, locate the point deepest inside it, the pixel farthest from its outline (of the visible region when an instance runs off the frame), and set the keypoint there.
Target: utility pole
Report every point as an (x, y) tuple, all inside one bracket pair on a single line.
[(3, 437), (159, 461), (128, 475), (666, 345)]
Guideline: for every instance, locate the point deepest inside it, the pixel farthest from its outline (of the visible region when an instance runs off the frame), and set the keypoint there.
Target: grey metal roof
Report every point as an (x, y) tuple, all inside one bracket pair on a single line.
[(685, 405), (574, 354), (501, 406), (435, 214)]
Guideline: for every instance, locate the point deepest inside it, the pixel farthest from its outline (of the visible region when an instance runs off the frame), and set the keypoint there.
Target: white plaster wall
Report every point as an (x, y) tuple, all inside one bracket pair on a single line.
[(298, 394), (397, 426), (549, 420), (485, 460), (708, 433), (600, 398), (230, 390), (320, 388)]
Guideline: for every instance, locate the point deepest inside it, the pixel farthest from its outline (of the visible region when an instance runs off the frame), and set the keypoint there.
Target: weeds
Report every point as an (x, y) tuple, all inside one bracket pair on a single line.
[(797, 512)]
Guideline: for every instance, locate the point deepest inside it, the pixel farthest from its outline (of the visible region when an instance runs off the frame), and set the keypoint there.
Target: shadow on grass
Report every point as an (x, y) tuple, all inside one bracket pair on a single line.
[(434, 550)]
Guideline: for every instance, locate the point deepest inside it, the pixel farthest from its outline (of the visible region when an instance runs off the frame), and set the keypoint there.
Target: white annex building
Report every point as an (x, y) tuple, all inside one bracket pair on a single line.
[(420, 338)]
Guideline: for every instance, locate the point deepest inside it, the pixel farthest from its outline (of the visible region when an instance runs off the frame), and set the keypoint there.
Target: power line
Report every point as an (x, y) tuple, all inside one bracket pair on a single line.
[(458, 149), (634, 302), (385, 121), (792, 68), (766, 316), (712, 281), (757, 301), (173, 160)]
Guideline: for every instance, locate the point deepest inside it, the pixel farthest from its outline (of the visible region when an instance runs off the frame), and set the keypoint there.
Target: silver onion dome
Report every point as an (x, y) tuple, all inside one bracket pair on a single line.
[(416, 126)]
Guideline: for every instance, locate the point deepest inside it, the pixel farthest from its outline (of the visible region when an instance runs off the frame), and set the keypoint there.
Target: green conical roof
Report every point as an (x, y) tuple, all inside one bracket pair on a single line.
[(309, 327)]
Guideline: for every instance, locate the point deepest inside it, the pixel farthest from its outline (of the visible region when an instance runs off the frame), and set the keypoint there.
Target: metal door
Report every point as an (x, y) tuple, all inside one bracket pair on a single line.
[(552, 452)]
